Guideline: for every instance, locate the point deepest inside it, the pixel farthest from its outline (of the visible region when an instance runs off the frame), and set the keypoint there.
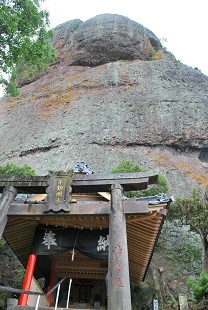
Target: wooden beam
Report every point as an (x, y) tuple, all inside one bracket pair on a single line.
[(103, 184), (82, 272), (131, 206), (99, 208), (84, 183), (80, 275)]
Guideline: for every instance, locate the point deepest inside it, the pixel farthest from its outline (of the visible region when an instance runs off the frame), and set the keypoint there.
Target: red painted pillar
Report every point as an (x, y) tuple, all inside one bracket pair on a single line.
[(27, 279), (52, 278)]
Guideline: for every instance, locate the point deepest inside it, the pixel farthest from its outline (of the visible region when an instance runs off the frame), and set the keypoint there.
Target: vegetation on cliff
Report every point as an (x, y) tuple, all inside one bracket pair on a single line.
[(199, 286), (128, 166), (14, 170), (194, 212)]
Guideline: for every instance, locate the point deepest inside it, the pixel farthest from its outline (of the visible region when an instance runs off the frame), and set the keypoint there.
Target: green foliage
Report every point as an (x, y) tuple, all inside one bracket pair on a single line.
[(2, 242), (25, 43), (199, 286), (140, 296), (3, 299), (152, 54), (164, 39), (160, 187), (15, 170), (192, 211), (185, 254), (20, 277), (128, 166), (181, 250)]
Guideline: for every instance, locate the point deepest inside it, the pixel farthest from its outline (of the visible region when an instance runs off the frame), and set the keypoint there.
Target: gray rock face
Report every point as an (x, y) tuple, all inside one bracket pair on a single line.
[(152, 112)]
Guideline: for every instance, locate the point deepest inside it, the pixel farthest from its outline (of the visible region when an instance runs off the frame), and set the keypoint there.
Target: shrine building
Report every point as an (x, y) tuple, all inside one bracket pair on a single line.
[(78, 232)]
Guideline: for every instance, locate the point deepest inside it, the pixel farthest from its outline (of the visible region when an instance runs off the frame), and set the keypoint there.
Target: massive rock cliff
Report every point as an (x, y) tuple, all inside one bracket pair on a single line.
[(113, 93)]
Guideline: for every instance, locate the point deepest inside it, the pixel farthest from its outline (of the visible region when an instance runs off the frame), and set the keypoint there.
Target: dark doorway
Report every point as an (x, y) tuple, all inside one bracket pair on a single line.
[(83, 290)]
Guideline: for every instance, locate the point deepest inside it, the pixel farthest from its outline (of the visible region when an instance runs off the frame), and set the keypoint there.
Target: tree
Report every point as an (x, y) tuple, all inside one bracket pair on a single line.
[(25, 43), (15, 170), (194, 212), (129, 166)]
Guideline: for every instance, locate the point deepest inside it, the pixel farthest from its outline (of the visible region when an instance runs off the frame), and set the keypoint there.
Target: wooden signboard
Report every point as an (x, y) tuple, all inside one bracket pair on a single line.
[(59, 191)]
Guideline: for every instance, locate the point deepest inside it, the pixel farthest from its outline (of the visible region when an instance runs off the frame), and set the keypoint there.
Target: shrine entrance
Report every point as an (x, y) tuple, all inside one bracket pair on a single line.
[(88, 279), (84, 293), (82, 224), (83, 289), (88, 286)]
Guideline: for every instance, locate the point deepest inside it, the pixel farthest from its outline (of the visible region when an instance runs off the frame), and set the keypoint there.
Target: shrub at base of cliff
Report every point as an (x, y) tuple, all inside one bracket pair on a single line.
[(15, 170), (199, 286), (128, 166), (200, 291)]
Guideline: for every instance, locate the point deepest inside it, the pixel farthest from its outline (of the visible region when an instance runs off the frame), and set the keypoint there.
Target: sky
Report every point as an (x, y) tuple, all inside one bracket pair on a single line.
[(183, 23)]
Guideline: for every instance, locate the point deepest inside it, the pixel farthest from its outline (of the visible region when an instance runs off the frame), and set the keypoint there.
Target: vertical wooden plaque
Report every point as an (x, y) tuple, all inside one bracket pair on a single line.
[(59, 191)]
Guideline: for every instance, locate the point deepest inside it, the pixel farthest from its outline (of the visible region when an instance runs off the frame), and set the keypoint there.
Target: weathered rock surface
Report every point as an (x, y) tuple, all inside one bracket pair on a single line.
[(108, 37), (153, 112), (105, 38)]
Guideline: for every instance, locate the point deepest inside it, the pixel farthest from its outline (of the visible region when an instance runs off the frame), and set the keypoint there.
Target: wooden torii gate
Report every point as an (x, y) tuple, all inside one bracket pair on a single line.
[(59, 187)]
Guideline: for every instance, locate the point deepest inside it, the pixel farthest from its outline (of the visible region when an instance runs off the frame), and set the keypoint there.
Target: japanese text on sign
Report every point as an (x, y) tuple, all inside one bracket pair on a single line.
[(59, 191)]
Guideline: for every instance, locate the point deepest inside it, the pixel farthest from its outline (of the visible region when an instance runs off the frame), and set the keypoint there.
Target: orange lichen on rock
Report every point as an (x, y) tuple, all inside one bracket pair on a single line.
[(161, 159), (157, 56), (53, 101), (128, 81), (190, 170), (202, 179), (89, 84)]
